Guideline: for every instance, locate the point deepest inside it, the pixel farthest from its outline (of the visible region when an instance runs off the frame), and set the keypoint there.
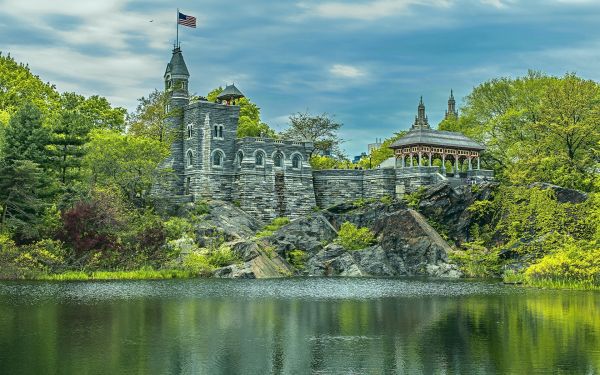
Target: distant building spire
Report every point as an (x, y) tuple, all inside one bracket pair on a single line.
[(451, 112), (421, 121)]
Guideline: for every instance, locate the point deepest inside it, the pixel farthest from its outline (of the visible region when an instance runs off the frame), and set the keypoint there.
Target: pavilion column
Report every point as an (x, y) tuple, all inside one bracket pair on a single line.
[(420, 158), (478, 163), (456, 164), (444, 163), (403, 165), (411, 160), (470, 164), (430, 159)]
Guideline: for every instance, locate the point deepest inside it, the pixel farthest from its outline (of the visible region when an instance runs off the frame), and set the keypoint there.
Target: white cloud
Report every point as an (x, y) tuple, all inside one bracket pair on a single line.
[(497, 3), (120, 76), (346, 71), (367, 10)]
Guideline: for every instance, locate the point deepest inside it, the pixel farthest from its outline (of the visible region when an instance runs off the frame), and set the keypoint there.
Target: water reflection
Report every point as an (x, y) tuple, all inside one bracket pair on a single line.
[(366, 327)]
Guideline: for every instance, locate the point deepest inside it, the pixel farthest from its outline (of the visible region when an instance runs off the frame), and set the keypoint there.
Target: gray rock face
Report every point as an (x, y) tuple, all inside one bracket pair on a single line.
[(308, 234), (563, 195), (448, 205), (407, 245), (227, 221)]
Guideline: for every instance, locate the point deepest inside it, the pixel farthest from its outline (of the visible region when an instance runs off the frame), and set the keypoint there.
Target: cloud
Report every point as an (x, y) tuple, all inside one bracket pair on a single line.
[(367, 10), (497, 3), (117, 76), (346, 71)]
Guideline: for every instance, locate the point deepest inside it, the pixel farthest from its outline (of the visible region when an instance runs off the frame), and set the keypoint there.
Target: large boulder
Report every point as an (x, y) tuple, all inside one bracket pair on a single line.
[(448, 206), (310, 234), (407, 244), (226, 222)]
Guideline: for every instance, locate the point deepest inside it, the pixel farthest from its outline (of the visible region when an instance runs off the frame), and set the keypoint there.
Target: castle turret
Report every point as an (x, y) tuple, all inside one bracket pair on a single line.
[(451, 112), (176, 86), (230, 95), (421, 121), (176, 79)]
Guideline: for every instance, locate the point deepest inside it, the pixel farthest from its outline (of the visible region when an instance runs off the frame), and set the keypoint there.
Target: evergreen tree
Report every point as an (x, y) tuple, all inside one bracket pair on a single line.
[(24, 187), (25, 138)]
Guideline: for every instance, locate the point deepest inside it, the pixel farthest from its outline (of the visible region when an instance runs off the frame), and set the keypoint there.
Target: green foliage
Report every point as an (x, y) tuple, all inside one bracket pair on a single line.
[(474, 260), (321, 130), (319, 162), (297, 258), (536, 128), (149, 119), (223, 256), (197, 263), (176, 227), (387, 200), (128, 163), (413, 200), (249, 124), (141, 274), (353, 238), (273, 227), (575, 264)]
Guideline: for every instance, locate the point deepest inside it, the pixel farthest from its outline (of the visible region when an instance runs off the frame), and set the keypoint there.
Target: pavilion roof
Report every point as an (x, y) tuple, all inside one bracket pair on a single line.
[(437, 138)]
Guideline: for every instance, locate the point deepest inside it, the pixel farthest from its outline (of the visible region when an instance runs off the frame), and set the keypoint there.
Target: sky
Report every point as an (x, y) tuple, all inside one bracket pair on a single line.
[(366, 62)]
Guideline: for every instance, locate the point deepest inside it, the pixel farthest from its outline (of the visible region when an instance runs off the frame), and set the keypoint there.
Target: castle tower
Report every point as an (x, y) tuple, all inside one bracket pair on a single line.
[(176, 79), (451, 112), (421, 121)]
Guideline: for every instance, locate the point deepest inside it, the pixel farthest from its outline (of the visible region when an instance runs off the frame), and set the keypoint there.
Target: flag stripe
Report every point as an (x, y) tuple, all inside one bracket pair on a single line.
[(186, 20)]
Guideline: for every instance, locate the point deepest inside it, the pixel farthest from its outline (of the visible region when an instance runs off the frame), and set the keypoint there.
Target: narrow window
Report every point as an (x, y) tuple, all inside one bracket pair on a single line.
[(259, 158), (240, 157), (216, 132), (278, 160), (190, 131), (190, 159), (217, 159), (296, 161), (220, 132)]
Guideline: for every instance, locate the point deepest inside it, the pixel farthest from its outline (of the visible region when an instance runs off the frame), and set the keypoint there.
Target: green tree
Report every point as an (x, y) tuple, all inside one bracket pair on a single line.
[(250, 124), (122, 161), (18, 85), (21, 203), (321, 130), (26, 138), (149, 118), (535, 128)]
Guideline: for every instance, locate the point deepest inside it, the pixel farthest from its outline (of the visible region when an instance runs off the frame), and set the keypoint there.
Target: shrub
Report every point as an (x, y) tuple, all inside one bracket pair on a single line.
[(474, 260), (576, 264), (197, 263), (222, 257), (297, 258), (414, 199), (176, 228), (386, 199), (353, 238)]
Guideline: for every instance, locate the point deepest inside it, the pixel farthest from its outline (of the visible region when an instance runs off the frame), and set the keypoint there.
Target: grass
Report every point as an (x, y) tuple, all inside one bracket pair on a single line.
[(562, 284), (273, 227), (141, 274)]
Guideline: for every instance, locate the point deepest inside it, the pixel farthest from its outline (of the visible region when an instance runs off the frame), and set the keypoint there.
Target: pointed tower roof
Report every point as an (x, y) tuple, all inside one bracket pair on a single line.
[(177, 65), (421, 121), (230, 93)]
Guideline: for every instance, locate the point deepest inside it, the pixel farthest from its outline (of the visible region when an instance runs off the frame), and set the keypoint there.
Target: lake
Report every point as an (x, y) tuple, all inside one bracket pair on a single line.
[(296, 326)]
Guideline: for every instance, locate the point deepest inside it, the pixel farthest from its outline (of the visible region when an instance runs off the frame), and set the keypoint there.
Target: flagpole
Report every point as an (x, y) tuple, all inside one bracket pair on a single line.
[(177, 41)]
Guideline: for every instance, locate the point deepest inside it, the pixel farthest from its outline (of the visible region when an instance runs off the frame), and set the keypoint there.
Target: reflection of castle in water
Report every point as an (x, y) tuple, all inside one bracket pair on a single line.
[(271, 177)]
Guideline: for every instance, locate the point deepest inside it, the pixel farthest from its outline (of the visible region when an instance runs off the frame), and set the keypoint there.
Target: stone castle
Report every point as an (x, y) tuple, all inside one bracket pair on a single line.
[(272, 177)]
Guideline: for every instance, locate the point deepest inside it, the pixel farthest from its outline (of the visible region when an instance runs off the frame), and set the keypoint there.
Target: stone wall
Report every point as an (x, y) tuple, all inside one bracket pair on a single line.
[(336, 186)]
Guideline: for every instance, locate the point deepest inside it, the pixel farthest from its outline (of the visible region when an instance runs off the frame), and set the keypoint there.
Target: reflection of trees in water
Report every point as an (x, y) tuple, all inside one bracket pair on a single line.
[(543, 332), (520, 333)]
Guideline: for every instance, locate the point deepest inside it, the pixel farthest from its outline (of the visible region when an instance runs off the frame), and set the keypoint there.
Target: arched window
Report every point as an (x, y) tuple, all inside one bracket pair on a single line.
[(296, 161), (190, 159), (278, 159), (260, 158), (240, 157), (217, 159)]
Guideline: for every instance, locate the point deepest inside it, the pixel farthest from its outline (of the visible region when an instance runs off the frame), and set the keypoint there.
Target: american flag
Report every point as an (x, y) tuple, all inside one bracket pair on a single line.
[(185, 20)]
